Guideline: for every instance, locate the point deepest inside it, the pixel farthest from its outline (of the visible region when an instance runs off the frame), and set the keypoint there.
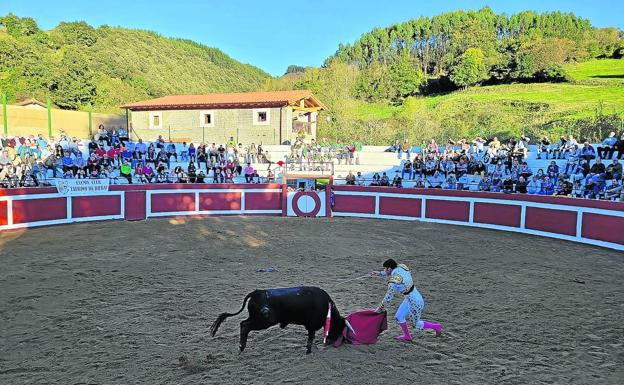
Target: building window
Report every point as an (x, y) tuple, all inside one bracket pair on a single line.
[(261, 117), (155, 120), (206, 118)]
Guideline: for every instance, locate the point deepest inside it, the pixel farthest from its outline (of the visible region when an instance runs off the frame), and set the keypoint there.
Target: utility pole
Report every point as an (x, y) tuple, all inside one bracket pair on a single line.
[(4, 114)]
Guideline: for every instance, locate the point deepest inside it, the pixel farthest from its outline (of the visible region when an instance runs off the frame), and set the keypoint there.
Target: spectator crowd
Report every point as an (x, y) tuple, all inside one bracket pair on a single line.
[(574, 170), (31, 161)]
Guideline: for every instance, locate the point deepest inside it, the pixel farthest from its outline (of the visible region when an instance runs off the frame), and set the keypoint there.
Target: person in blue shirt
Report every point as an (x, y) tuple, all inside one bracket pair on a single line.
[(400, 282), (607, 149), (67, 162), (587, 152), (553, 170)]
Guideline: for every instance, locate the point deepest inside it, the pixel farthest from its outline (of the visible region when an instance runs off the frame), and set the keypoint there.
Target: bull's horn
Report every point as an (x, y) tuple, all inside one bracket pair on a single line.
[(349, 326)]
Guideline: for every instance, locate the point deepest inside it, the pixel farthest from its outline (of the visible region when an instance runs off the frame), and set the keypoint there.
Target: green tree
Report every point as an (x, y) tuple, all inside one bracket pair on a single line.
[(469, 68)]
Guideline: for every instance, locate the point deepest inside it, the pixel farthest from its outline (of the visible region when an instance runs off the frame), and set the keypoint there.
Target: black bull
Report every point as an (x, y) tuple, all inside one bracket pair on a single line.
[(305, 306)]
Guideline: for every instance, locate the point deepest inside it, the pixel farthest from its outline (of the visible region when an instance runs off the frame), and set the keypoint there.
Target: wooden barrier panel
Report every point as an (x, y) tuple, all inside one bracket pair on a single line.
[(581, 220), (586, 221)]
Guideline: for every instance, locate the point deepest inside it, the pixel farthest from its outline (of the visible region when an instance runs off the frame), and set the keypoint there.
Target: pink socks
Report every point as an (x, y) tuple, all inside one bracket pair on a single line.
[(436, 327), (406, 333)]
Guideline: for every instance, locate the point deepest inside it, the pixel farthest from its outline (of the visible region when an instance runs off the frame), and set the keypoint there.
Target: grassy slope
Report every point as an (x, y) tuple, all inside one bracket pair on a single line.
[(593, 83)]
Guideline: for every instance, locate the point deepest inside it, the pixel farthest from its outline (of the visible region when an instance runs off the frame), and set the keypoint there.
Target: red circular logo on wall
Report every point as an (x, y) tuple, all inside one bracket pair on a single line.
[(308, 201)]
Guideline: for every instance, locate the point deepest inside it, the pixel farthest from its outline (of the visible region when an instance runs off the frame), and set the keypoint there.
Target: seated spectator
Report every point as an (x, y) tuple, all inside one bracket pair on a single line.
[(192, 172), (184, 153), (359, 179), (376, 180), (619, 146), (534, 186), (432, 148), (614, 170), (160, 143), (201, 177), (396, 181), (229, 176), (102, 135), (138, 173), (497, 184), (123, 135), (508, 185), (463, 183), (161, 176), (92, 146), (67, 162), (407, 168), (148, 172), (598, 167), (547, 187), (385, 180), (564, 187), (436, 180), (614, 191), (142, 147), (521, 186), (80, 165), (171, 151), (125, 171), (559, 148), (451, 182), (543, 146), (477, 145), (485, 183), (572, 162), (179, 175), (69, 174), (431, 166), (249, 172), (553, 171), (587, 152), (607, 148), (350, 179)]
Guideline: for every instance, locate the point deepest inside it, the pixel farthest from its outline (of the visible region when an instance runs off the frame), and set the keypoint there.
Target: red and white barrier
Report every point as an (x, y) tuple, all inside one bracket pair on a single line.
[(587, 221), (594, 222)]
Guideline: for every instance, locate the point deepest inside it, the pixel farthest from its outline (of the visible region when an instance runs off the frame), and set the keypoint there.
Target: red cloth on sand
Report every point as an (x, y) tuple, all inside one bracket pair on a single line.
[(367, 325)]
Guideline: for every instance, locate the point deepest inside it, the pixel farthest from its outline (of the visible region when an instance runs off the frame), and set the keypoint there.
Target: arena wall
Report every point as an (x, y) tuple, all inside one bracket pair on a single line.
[(580, 220)]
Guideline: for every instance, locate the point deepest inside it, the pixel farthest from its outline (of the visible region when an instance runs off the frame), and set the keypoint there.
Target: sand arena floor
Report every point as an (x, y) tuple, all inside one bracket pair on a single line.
[(131, 303)]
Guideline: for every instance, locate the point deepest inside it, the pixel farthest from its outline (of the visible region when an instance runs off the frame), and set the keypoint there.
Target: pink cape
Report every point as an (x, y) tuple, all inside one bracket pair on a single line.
[(367, 325)]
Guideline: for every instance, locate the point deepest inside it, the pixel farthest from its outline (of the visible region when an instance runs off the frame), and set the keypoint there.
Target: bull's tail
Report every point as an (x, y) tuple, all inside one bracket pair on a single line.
[(215, 325)]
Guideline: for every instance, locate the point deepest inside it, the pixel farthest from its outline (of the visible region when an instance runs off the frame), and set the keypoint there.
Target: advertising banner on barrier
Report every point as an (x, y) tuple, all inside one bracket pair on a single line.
[(71, 187)]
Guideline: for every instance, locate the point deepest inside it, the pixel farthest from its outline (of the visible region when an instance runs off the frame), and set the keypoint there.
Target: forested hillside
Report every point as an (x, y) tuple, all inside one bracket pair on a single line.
[(469, 73), (76, 64)]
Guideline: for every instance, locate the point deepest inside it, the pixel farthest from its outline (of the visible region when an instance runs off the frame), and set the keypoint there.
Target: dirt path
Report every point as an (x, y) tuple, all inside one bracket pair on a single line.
[(131, 302)]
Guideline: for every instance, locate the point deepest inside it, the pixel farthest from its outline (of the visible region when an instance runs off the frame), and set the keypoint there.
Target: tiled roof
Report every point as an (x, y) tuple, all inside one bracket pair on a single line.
[(229, 100)]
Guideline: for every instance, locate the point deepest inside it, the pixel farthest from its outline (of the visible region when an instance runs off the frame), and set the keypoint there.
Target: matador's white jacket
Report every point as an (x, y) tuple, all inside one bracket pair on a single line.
[(400, 281)]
